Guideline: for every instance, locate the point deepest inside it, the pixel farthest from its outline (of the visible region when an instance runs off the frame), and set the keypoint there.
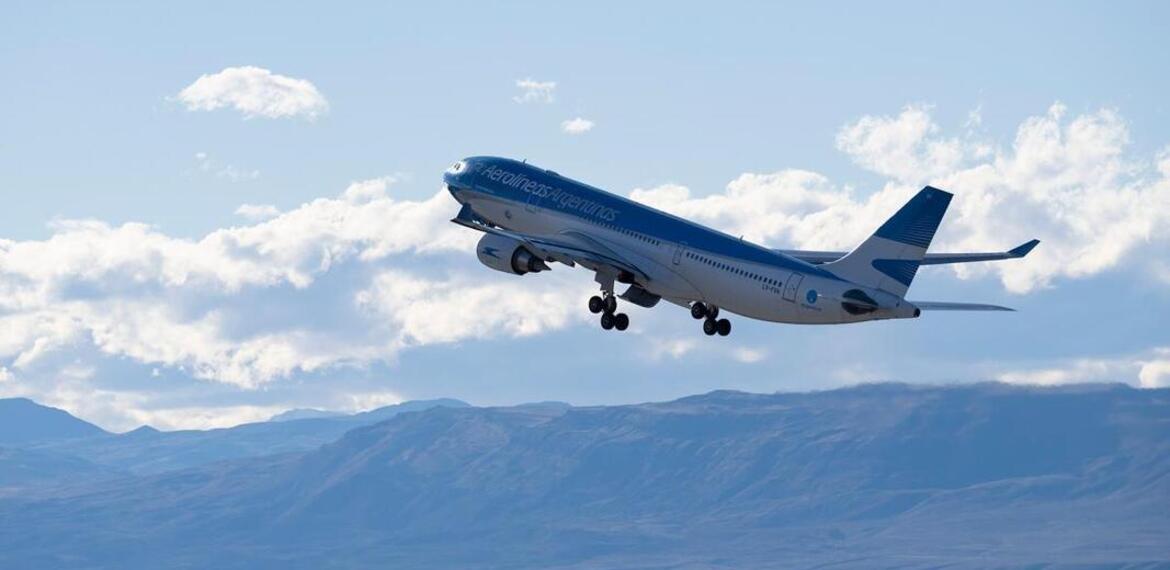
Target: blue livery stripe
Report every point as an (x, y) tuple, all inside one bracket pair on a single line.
[(519, 183), (900, 270), (917, 221)]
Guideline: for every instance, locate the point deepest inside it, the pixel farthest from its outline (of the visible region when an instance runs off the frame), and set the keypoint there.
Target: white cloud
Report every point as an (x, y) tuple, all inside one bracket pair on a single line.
[(679, 347), (200, 417), (1066, 181), (532, 91), (577, 126), (905, 147), (1083, 370), (126, 410), (1148, 370), (132, 291), (426, 311), (1155, 372), (257, 212), (255, 92), (748, 355), (675, 348), (292, 248), (360, 402)]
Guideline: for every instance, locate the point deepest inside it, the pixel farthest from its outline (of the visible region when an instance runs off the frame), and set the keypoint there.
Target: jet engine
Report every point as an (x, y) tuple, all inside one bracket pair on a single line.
[(507, 255)]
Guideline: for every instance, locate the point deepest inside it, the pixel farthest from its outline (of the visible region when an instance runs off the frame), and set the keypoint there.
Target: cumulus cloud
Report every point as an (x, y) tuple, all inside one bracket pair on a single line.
[(533, 91), (133, 291), (254, 92), (1149, 370), (1065, 180), (426, 311), (577, 126), (907, 147)]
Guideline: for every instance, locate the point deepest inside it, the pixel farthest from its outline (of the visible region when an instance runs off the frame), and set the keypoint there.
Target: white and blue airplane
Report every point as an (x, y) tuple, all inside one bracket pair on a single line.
[(532, 217)]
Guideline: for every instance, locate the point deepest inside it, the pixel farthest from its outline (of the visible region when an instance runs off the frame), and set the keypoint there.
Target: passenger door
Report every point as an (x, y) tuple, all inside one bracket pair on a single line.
[(791, 286)]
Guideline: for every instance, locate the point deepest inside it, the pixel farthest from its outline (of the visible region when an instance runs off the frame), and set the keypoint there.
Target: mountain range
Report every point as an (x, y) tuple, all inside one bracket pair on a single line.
[(887, 475), (23, 422), (147, 450)]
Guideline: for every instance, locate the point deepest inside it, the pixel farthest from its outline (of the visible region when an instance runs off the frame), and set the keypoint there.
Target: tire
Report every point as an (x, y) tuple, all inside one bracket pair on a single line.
[(596, 305), (611, 304), (710, 327), (607, 321), (698, 310), (712, 312), (621, 321), (724, 327)]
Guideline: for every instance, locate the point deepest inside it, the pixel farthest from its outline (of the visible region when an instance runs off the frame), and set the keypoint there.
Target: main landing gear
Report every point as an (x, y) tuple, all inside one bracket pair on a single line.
[(712, 324), (607, 306)]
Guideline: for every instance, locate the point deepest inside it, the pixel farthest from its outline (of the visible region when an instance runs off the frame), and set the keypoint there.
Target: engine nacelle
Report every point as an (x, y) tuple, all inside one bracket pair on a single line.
[(507, 255)]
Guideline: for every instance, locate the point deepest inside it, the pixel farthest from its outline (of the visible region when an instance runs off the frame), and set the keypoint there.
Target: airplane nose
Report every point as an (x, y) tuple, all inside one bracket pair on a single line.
[(456, 192)]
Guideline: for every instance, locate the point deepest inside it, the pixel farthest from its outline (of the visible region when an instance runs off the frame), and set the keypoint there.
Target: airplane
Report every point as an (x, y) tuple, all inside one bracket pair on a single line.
[(532, 217)]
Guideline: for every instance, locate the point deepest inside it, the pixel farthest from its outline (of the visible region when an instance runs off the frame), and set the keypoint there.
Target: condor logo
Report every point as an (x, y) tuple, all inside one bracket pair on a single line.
[(491, 252)]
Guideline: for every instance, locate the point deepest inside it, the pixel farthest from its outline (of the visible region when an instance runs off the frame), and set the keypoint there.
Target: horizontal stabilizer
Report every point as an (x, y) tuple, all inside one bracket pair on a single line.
[(945, 306), (1014, 253)]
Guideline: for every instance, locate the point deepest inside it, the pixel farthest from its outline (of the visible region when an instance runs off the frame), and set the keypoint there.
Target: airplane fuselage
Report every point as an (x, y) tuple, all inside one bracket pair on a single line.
[(682, 260)]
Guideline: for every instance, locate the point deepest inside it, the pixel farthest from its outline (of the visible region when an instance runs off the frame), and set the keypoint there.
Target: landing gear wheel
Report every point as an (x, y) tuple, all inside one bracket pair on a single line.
[(712, 312), (723, 327), (698, 310), (710, 327), (596, 304), (610, 304), (607, 321), (621, 321)]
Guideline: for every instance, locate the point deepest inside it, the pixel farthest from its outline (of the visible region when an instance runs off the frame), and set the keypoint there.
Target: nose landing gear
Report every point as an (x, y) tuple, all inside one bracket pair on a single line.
[(712, 324)]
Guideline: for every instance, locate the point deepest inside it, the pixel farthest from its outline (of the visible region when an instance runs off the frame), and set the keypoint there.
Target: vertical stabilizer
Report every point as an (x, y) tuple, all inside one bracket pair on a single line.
[(889, 259)]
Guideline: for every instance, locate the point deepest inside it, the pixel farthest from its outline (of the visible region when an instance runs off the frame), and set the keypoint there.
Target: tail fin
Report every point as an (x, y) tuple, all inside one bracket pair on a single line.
[(889, 259)]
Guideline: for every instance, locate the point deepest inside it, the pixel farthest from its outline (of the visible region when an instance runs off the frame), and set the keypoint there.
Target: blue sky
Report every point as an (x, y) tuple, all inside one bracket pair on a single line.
[(133, 289)]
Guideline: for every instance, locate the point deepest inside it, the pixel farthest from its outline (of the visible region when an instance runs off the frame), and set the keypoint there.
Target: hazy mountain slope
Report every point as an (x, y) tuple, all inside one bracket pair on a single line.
[(22, 468), (887, 475), (23, 421), (147, 451)]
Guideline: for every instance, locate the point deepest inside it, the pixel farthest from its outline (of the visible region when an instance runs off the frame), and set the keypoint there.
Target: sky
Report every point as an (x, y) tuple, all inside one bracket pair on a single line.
[(216, 212)]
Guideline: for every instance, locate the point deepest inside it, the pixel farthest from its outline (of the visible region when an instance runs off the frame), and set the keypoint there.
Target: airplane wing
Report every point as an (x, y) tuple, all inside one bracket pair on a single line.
[(945, 306), (819, 257), (569, 247)]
